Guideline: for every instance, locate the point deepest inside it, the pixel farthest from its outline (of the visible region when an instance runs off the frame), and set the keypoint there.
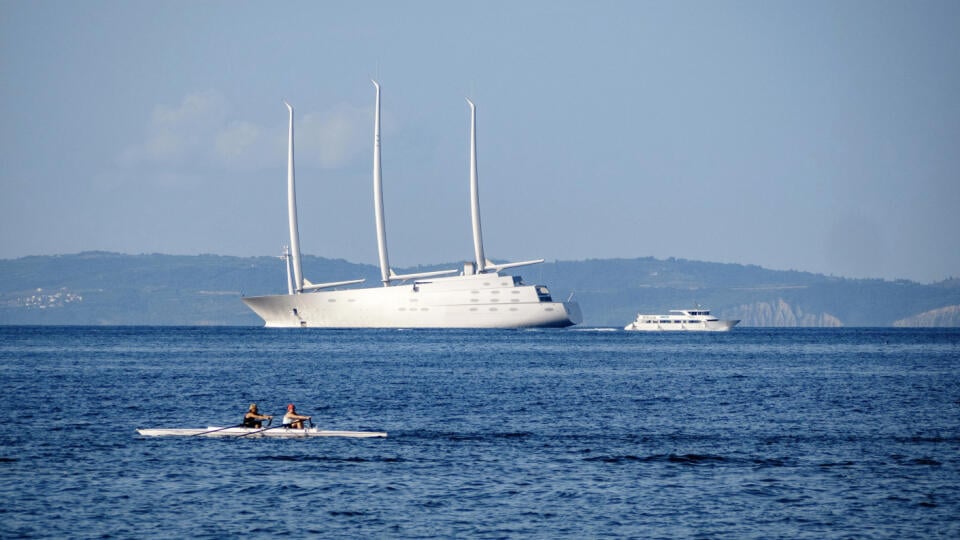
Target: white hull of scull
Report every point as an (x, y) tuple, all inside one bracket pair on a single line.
[(214, 431)]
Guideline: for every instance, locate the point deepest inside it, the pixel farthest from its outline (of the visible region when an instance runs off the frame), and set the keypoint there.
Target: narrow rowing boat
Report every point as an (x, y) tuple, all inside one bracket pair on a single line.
[(214, 431)]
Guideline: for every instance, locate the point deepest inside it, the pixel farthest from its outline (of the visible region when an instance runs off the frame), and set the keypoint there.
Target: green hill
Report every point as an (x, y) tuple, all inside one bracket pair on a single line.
[(100, 288)]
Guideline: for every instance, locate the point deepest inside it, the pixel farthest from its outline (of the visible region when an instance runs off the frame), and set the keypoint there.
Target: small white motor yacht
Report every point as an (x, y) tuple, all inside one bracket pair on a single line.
[(684, 320)]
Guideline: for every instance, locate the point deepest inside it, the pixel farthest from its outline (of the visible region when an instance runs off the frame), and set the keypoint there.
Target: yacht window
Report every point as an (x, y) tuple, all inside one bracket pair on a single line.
[(544, 294)]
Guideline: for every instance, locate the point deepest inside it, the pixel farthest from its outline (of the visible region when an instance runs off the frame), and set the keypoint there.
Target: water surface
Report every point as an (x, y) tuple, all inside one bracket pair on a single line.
[(754, 433)]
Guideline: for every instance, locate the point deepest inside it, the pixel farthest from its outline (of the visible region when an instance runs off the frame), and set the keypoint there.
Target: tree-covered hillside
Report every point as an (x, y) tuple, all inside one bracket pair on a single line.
[(109, 288)]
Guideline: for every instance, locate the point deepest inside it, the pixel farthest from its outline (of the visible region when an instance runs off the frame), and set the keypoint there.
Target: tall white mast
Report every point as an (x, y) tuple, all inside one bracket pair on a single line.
[(475, 192), (483, 265), (378, 195), (292, 212), (386, 274)]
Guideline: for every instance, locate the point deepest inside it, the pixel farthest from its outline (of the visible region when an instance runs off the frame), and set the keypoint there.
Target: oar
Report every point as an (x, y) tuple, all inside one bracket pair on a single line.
[(270, 421), (216, 430)]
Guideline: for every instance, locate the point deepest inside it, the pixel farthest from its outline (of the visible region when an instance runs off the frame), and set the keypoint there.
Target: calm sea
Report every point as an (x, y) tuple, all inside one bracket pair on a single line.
[(756, 433)]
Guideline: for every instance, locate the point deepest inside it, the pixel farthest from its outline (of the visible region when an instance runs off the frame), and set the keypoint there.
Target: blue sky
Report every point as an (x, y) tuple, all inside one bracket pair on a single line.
[(821, 136)]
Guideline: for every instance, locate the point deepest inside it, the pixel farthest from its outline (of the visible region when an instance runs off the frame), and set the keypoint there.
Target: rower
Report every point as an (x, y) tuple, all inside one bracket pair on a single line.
[(253, 417), (292, 419)]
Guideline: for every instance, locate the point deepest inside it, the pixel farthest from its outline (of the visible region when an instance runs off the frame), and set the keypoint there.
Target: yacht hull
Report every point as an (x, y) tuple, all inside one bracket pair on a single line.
[(478, 301)]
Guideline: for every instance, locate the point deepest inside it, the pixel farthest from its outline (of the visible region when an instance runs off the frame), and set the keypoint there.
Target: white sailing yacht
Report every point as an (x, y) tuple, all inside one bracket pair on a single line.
[(479, 296)]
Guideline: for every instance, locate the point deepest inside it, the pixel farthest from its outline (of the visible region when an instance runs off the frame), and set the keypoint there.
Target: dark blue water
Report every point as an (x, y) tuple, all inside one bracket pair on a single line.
[(553, 434)]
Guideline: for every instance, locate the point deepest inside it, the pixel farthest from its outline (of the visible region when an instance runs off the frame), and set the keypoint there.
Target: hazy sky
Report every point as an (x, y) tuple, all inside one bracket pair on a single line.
[(821, 136)]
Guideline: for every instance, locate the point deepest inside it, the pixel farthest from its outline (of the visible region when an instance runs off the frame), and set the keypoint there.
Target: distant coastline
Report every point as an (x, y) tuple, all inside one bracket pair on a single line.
[(102, 288)]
